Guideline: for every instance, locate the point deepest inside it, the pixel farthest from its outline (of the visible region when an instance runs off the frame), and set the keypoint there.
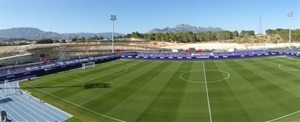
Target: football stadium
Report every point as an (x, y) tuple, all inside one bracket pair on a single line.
[(159, 61), (242, 85)]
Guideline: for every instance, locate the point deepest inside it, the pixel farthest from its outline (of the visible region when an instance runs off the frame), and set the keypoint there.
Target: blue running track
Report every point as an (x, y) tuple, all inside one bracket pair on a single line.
[(21, 107)]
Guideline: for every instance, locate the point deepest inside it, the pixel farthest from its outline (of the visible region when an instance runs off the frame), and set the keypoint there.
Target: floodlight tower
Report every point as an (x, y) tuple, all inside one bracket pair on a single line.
[(260, 26), (290, 15), (113, 18)]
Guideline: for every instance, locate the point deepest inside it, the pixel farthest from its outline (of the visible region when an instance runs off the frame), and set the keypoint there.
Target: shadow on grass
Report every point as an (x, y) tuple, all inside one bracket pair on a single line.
[(85, 86)]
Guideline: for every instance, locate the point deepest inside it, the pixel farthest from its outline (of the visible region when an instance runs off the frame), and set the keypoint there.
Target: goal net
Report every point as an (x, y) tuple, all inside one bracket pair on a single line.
[(89, 64), (9, 89)]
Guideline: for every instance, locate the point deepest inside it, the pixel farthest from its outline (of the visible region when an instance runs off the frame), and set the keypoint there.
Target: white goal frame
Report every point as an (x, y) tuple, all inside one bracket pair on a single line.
[(88, 64)]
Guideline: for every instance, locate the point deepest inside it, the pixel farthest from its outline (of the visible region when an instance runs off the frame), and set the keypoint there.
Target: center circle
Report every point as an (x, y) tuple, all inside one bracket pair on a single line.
[(208, 79)]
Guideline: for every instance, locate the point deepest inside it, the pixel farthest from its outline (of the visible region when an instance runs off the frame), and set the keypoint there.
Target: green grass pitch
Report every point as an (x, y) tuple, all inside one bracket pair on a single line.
[(257, 89)]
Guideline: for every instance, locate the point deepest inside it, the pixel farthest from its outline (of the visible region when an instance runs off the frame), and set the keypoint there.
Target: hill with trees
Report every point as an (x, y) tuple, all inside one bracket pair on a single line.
[(245, 36)]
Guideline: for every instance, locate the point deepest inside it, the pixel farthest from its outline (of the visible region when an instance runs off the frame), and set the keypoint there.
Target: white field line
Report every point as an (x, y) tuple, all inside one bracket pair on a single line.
[(96, 77), (82, 70), (283, 116), (206, 88), (214, 81), (287, 68), (78, 105)]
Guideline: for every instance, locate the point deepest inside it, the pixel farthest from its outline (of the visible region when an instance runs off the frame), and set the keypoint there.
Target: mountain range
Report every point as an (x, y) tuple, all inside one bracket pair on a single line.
[(36, 34), (185, 28)]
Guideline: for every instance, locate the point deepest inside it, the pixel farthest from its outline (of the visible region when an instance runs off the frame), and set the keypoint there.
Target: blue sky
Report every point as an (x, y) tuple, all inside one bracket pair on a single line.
[(68, 16)]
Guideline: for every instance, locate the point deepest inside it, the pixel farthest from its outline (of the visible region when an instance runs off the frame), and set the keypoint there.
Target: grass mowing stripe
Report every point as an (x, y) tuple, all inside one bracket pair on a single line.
[(193, 106), (116, 83), (292, 59), (53, 79), (270, 90), (76, 111), (283, 117), (173, 99), (77, 73), (166, 104), (291, 66), (251, 99), (224, 103), (95, 72), (72, 103), (65, 93), (96, 69), (277, 77), (271, 83), (271, 66), (106, 102), (258, 105), (131, 108), (285, 60)]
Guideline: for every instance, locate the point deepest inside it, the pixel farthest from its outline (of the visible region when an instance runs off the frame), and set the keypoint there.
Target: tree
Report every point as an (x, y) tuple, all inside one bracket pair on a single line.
[(74, 39), (96, 38), (158, 37), (235, 34), (44, 41), (101, 38), (83, 40), (56, 41), (247, 33), (284, 33), (63, 41)]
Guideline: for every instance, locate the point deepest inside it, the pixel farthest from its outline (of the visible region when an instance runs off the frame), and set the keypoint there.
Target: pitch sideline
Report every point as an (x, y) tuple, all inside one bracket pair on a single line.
[(283, 116)]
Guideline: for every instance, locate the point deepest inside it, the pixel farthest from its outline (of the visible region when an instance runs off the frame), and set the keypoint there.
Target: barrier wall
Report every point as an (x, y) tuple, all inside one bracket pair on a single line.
[(209, 57), (42, 72)]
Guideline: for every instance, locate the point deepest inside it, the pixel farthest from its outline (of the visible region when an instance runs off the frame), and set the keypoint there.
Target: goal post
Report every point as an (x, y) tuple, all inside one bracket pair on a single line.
[(88, 64)]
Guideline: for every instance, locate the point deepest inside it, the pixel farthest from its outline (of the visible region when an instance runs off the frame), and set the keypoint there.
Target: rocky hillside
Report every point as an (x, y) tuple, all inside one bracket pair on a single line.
[(185, 28)]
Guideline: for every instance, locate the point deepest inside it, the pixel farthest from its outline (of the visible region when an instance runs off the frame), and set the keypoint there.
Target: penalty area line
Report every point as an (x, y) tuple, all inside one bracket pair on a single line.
[(283, 116)]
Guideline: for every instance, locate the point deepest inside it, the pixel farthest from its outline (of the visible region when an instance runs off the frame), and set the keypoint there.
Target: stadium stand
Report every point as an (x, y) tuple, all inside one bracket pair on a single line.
[(44, 68), (199, 55)]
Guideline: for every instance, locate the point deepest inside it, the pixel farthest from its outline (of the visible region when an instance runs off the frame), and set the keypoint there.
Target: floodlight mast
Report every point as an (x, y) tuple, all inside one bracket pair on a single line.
[(113, 18), (290, 15)]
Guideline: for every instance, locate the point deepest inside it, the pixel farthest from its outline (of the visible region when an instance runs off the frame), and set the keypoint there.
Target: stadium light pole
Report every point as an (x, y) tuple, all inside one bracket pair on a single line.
[(290, 15), (113, 18)]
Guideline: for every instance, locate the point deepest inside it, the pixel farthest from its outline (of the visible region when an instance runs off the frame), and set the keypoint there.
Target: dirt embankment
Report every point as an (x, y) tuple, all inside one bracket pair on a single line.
[(79, 49), (14, 50)]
